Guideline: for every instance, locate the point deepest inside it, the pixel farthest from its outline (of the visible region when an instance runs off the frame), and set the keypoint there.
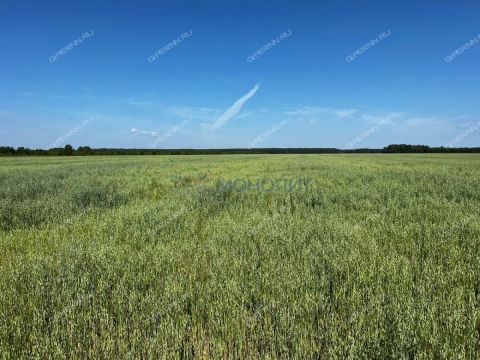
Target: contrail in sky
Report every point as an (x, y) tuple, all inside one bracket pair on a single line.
[(234, 109)]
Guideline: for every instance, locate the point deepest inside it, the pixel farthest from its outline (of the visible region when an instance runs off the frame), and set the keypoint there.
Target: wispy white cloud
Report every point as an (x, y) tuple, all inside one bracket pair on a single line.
[(234, 109), (343, 113), (429, 130), (315, 113), (135, 102), (197, 113), (393, 126), (421, 124), (135, 132), (380, 117), (459, 138)]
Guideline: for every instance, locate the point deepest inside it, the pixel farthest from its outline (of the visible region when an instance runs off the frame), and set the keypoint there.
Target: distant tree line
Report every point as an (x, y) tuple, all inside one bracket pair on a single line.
[(404, 148), (68, 150)]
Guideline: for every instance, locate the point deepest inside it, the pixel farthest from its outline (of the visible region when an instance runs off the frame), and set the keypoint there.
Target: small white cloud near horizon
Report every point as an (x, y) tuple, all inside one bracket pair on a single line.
[(234, 109), (136, 132)]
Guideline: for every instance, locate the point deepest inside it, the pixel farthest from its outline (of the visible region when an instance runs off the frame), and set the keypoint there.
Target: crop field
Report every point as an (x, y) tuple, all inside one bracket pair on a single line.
[(240, 256)]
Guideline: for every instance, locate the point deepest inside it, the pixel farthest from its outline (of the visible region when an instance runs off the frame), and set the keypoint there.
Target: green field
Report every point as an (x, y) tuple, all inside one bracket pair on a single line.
[(147, 257)]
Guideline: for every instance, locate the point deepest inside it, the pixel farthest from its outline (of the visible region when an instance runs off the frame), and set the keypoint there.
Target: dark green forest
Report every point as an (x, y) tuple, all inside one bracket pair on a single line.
[(68, 150)]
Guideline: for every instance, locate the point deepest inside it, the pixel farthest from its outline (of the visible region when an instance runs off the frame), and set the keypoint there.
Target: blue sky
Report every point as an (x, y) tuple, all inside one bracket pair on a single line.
[(206, 88)]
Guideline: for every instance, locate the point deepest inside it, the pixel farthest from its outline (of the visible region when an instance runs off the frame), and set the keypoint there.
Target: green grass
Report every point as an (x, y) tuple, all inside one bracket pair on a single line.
[(111, 257)]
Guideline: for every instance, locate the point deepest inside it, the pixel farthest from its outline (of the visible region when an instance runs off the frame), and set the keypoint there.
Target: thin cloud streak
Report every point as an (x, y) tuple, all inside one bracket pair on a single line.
[(135, 132), (314, 113), (234, 109)]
